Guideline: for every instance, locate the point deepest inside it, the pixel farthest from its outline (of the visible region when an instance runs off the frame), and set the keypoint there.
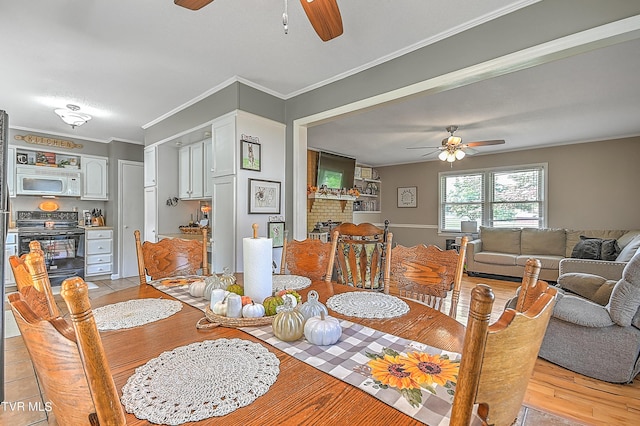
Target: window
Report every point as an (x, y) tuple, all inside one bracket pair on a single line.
[(502, 197)]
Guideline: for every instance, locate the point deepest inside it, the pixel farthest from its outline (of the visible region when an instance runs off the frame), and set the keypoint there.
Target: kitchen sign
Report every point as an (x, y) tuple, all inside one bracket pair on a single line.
[(41, 140)]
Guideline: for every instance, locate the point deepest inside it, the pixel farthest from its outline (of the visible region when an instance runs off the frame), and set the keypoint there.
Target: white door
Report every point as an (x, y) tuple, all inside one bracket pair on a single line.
[(131, 202), (150, 162)]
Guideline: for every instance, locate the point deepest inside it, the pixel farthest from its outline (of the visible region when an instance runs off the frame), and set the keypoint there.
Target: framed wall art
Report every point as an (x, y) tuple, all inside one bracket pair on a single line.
[(264, 197), (251, 155), (275, 231), (408, 196)]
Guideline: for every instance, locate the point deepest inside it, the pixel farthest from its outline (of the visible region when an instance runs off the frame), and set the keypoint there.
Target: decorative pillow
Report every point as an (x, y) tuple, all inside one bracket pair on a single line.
[(501, 240), (543, 241), (596, 248), (629, 250), (625, 298)]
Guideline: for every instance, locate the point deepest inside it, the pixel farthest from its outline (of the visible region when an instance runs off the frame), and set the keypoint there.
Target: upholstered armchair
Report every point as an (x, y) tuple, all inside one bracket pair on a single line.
[(595, 327)]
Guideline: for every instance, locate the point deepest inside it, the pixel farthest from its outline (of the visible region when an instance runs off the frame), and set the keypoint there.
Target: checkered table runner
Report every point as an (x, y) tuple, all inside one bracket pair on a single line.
[(347, 360)]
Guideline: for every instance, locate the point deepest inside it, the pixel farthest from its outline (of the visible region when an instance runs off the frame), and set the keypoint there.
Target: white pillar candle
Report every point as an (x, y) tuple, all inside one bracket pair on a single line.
[(234, 306)]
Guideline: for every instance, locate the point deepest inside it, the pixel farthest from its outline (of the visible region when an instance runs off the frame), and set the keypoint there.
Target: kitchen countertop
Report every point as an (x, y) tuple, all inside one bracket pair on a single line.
[(95, 227)]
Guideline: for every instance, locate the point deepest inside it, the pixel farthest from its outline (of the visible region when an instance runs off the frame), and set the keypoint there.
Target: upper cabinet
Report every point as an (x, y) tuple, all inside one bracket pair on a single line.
[(95, 178), (150, 166), (207, 149), (191, 170), (224, 147), (11, 171)]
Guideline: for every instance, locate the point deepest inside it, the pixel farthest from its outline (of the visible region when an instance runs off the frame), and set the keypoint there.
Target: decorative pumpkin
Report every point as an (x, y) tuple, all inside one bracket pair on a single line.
[(227, 278), (253, 310), (292, 292), (246, 300), (234, 306), (288, 324), (292, 298), (312, 307), (217, 295), (271, 303), (212, 283), (196, 289), (220, 307), (237, 289), (322, 330)]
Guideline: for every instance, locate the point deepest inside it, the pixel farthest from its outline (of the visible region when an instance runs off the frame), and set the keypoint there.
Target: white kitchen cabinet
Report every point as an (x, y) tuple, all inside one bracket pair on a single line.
[(190, 171), (224, 146), (11, 172), (99, 251), (207, 150), (10, 249), (150, 166), (150, 214), (95, 184)]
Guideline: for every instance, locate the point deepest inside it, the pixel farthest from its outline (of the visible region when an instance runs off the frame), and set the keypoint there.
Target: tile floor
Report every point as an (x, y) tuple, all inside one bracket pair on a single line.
[(25, 405)]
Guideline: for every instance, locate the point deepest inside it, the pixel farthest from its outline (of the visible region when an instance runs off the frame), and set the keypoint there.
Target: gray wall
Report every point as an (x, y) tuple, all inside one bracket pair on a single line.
[(590, 186)]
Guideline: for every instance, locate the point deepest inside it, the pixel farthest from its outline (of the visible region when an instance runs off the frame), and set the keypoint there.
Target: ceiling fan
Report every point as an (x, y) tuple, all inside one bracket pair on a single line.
[(453, 149), (324, 15)]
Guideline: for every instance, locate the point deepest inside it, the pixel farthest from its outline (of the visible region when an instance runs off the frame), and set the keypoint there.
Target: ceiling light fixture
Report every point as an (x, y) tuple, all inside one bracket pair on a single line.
[(452, 150), (71, 116)]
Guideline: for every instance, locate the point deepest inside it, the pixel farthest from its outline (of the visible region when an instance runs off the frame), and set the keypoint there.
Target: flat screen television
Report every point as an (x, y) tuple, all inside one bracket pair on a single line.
[(335, 171)]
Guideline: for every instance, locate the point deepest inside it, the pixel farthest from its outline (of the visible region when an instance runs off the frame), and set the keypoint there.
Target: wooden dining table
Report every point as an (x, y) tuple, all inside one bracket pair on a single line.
[(301, 394)]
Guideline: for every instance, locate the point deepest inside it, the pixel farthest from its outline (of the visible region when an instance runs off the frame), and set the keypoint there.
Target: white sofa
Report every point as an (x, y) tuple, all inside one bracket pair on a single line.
[(504, 251)]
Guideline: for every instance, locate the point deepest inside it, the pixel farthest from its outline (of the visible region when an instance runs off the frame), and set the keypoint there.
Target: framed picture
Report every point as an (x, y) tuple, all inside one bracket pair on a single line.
[(250, 159), (275, 231), (264, 196), (408, 196)]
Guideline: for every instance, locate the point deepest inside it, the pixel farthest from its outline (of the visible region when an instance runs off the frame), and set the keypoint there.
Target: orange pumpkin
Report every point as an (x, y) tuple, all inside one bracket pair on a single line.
[(246, 300)]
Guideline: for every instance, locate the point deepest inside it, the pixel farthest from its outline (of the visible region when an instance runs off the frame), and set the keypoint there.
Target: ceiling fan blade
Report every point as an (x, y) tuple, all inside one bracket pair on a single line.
[(470, 151), (484, 143), (429, 153), (324, 16), (192, 4), (423, 147)]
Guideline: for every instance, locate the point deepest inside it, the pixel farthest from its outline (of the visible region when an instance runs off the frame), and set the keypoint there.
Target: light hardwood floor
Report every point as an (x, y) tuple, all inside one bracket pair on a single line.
[(552, 389)]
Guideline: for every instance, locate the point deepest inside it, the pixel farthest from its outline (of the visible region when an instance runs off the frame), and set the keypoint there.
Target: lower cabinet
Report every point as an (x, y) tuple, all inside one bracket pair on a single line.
[(99, 252), (10, 249)]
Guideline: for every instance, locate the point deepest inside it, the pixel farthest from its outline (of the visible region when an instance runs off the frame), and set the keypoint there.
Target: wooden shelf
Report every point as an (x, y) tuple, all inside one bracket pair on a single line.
[(342, 198)]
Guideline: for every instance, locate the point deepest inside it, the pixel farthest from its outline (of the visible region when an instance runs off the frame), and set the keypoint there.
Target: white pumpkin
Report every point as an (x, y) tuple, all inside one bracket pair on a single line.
[(217, 295), (253, 310), (220, 308), (196, 289), (234, 305), (291, 297), (323, 330)]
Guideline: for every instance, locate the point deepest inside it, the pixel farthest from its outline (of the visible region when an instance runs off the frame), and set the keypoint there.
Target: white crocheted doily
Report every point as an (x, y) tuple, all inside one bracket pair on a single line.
[(364, 304), (290, 282), (200, 380), (133, 313)]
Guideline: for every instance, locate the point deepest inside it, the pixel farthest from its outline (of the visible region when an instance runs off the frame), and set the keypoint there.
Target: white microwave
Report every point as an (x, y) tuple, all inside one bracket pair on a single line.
[(37, 180)]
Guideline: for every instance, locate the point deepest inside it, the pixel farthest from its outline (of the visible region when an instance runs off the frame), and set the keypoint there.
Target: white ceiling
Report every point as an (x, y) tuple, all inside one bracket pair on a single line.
[(130, 63)]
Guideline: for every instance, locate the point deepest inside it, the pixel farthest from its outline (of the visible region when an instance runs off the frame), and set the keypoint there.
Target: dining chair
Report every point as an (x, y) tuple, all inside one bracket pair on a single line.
[(428, 273), (361, 254), (171, 257), (68, 358), (31, 275), (498, 359), (309, 258)]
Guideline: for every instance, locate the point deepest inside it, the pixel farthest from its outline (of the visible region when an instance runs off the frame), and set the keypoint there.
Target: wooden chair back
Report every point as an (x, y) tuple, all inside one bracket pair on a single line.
[(362, 256), (69, 358), (427, 274), (30, 272), (498, 359), (171, 257), (308, 258)]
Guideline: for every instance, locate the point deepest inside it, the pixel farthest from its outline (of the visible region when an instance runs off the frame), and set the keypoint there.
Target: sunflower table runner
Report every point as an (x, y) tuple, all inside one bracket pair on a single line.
[(414, 378)]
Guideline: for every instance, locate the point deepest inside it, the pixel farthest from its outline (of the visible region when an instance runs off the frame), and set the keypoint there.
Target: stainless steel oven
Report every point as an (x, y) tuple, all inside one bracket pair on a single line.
[(61, 239)]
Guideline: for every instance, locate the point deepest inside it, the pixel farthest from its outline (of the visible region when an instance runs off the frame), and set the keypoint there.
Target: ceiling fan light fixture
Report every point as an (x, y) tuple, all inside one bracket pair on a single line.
[(443, 155), (451, 157), (459, 154), (453, 140), (72, 116)]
